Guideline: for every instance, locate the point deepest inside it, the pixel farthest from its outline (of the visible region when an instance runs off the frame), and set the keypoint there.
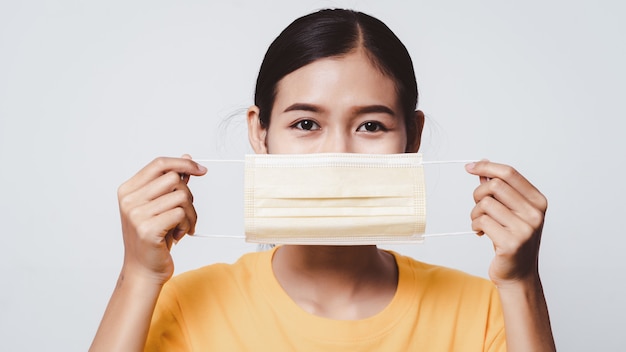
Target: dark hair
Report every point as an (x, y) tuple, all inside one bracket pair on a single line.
[(331, 33)]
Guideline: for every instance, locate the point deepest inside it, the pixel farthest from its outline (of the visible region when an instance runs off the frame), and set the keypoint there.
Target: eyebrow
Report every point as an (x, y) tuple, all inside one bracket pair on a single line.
[(303, 107), (374, 109), (360, 110)]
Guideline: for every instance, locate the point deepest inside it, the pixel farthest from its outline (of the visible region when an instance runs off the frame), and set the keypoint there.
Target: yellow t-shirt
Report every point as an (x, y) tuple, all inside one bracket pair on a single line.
[(242, 307)]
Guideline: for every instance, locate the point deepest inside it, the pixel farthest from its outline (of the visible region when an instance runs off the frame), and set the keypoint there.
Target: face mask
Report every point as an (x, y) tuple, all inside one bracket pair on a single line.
[(334, 199)]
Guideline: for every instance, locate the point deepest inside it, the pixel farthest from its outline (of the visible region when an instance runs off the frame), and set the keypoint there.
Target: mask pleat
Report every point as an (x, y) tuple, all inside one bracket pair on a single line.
[(334, 198)]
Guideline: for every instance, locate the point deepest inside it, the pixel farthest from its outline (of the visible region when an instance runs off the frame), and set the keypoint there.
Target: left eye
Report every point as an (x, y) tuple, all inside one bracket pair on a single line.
[(306, 125), (371, 126)]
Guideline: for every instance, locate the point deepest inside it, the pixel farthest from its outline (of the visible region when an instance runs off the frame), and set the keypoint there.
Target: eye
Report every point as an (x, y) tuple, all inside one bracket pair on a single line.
[(371, 126), (306, 125)]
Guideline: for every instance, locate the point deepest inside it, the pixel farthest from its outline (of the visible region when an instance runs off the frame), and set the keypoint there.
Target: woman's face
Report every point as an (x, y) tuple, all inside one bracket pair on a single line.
[(338, 105)]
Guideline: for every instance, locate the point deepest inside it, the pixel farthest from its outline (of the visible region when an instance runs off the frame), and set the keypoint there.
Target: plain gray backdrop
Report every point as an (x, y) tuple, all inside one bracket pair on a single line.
[(92, 91)]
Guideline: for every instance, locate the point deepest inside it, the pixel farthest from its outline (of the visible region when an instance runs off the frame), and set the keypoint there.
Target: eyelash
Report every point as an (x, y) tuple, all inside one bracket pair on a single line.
[(379, 127), (315, 126), (298, 125)]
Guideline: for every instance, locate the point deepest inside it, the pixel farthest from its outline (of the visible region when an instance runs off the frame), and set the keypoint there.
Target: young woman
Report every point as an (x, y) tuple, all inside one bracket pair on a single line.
[(333, 81)]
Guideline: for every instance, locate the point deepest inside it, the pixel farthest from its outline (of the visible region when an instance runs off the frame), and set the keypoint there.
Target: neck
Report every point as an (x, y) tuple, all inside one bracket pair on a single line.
[(332, 260), (342, 282)]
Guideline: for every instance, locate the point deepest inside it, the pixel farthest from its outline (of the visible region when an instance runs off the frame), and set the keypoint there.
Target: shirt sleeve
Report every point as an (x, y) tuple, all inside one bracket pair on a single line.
[(167, 331)]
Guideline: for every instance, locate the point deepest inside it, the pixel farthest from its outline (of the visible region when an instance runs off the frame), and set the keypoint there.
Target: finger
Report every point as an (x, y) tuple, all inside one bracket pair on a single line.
[(504, 240), (510, 176), (508, 197), (171, 200), (175, 233), (483, 179), (167, 183), (512, 223), (165, 203), (158, 167), (155, 230), (496, 210), (185, 177)]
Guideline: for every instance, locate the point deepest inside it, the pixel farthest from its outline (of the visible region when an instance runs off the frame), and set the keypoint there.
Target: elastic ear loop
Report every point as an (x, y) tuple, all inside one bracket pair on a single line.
[(417, 237)]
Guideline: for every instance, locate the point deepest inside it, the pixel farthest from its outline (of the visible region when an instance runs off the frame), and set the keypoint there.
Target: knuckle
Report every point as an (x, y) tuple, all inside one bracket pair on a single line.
[(125, 202), (510, 172), (536, 218), (476, 195), (527, 231), (172, 177), (121, 191), (478, 223), (179, 213), (180, 197), (474, 213), (475, 225), (496, 185), (160, 162), (480, 206), (188, 196), (134, 215), (486, 203), (543, 203)]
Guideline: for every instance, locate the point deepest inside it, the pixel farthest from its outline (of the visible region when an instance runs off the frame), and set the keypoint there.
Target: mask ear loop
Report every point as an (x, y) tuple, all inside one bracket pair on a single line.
[(219, 160), (419, 237), (445, 234)]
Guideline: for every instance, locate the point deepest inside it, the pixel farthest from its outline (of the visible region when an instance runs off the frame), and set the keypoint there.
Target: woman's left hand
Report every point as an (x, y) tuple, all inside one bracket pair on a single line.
[(510, 210)]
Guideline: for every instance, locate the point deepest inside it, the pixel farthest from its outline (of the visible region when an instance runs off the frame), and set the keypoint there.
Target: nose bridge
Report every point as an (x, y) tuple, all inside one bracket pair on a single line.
[(337, 140)]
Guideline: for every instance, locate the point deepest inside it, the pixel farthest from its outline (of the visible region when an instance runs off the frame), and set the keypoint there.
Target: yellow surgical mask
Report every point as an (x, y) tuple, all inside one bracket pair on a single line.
[(334, 198)]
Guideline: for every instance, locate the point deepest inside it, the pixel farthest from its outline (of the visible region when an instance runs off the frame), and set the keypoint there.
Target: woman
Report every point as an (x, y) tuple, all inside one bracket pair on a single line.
[(333, 81)]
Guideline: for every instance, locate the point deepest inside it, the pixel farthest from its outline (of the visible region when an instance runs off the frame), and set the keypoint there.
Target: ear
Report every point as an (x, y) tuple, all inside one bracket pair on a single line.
[(414, 132), (256, 132)]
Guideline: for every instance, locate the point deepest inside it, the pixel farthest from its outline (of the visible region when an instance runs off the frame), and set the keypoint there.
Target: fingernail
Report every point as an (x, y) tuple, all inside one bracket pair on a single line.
[(202, 168), (470, 166)]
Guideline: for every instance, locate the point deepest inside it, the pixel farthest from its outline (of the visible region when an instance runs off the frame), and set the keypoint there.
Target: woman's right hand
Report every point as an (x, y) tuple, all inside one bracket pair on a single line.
[(156, 209)]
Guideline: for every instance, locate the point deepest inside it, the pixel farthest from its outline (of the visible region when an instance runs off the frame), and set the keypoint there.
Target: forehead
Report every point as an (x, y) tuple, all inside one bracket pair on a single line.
[(351, 79)]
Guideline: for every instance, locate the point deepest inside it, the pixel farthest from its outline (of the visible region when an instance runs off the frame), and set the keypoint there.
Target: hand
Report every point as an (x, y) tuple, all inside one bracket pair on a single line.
[(156, 209), (511, 211)]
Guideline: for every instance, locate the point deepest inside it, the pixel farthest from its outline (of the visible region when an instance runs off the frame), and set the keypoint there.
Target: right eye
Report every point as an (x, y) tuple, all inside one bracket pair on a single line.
[(306, 125)]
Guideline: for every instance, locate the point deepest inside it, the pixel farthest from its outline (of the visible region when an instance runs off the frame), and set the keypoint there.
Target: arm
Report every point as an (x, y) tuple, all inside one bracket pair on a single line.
[(156, 209), (511, 212), (126, 320)]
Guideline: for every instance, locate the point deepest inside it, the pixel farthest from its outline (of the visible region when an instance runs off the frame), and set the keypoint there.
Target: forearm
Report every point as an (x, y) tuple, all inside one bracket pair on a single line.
[(526, 319), (126, 320)]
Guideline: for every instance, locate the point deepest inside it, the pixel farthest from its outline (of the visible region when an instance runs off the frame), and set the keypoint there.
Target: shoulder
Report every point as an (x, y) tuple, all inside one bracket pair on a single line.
[(215, 276), (453, 296)]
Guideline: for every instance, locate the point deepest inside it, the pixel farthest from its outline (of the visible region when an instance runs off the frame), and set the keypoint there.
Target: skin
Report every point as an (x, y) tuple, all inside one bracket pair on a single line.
[(342, 104)]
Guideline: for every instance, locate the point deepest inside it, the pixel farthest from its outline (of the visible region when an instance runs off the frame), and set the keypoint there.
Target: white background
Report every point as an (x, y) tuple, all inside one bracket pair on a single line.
[(92, 91)]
